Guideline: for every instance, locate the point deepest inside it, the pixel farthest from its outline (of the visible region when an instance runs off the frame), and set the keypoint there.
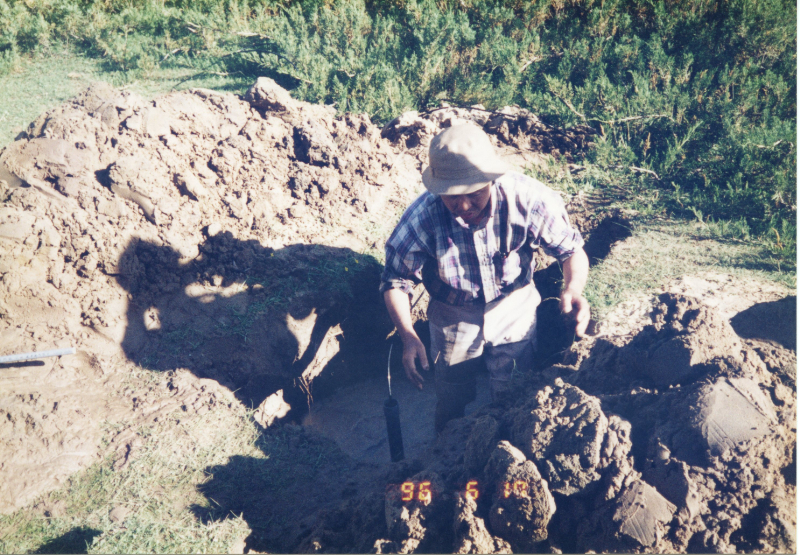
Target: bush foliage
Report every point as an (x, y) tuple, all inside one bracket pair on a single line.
[(701, 92)]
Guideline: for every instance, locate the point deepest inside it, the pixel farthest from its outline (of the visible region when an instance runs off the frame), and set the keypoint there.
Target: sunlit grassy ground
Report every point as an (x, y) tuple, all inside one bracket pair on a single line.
[(660, 251), (38, 86), (154, 494), (662, 248)]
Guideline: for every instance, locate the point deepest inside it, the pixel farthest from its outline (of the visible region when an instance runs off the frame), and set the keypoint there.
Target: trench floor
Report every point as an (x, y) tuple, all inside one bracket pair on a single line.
[(353, 416)]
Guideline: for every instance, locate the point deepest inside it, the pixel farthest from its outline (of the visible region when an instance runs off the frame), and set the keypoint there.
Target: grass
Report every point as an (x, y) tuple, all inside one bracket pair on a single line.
[(39, 85), (158, 488), (660, 250), (179, 338), (663, 248)]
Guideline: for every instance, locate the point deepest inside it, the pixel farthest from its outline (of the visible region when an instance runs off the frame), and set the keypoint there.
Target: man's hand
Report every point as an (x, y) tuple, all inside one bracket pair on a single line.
[(399, 308), (576, 307), (573, 303), (413, 349)]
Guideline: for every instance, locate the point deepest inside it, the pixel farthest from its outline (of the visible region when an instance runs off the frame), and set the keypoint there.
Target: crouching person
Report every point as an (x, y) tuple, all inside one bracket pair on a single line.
[(470, 240)]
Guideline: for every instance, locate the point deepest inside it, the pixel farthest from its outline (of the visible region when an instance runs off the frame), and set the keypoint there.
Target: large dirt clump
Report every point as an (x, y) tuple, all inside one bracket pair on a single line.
[(220, 236), (201, 231), (591, 454)]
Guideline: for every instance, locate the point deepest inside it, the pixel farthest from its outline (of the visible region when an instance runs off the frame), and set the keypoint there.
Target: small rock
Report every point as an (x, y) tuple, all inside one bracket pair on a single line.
[(237, 546), (213, 229), (565, 433), (521, 504), (268, 95), (313, 144), (641, 513), (112, 208), (672, 480), (152, 320), (119, 513), (16, 224), (731, 411), (189, 182), (637, 519), (503, 456), (783, 394), (297, 211), (471, 535), (271, 409), (301, 183)]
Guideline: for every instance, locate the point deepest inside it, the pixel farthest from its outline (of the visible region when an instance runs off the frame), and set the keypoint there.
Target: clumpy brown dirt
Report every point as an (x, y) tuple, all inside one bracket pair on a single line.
[(680, 437), (224, 236), (228, 237), (231, 243)]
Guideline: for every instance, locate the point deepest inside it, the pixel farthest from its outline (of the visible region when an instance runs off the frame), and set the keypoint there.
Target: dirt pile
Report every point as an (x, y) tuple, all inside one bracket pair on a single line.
[(515, 128), (597, 454), (199, 231), (202, 232), (227, 242)]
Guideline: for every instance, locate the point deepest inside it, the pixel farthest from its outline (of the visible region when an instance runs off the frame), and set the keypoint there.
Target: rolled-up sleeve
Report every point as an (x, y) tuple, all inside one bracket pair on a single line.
[(407, 251), (551, 227)]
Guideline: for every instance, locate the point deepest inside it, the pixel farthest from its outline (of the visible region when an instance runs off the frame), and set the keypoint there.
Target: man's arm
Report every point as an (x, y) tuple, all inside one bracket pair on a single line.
[(399, 307), (576, 272), (408, 248)]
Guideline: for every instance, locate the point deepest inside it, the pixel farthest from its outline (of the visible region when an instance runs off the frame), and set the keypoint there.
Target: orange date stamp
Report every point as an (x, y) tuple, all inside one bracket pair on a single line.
[(421, 491)]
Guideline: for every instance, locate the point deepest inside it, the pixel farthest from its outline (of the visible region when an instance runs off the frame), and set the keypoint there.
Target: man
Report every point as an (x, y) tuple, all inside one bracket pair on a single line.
[(470, 239)]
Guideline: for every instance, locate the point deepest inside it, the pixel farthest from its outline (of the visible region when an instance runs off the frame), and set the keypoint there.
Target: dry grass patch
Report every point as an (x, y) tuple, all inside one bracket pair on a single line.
[(661, 250), (148, 506)]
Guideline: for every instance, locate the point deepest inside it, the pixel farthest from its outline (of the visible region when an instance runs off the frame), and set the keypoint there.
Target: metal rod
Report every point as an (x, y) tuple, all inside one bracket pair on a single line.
[(37, 355), (391, 410), (389, 370)]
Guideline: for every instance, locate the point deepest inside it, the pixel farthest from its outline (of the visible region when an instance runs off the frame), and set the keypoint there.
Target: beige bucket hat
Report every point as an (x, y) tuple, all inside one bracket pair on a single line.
[(462, 160)]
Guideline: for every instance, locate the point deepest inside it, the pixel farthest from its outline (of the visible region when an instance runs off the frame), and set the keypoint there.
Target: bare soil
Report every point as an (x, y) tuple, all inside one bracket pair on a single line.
[(233, 244)]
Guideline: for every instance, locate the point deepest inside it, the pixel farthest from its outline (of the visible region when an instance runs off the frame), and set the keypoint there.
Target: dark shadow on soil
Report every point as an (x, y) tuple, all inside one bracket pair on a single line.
[(773, 321), (554, 334), (304, 319), (752, 523), (604, 236), (281, 494), (790, 472), (76, 540), (238, 312)]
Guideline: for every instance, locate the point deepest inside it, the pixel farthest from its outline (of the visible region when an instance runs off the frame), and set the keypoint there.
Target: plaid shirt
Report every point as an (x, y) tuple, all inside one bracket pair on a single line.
[(463, 264)]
